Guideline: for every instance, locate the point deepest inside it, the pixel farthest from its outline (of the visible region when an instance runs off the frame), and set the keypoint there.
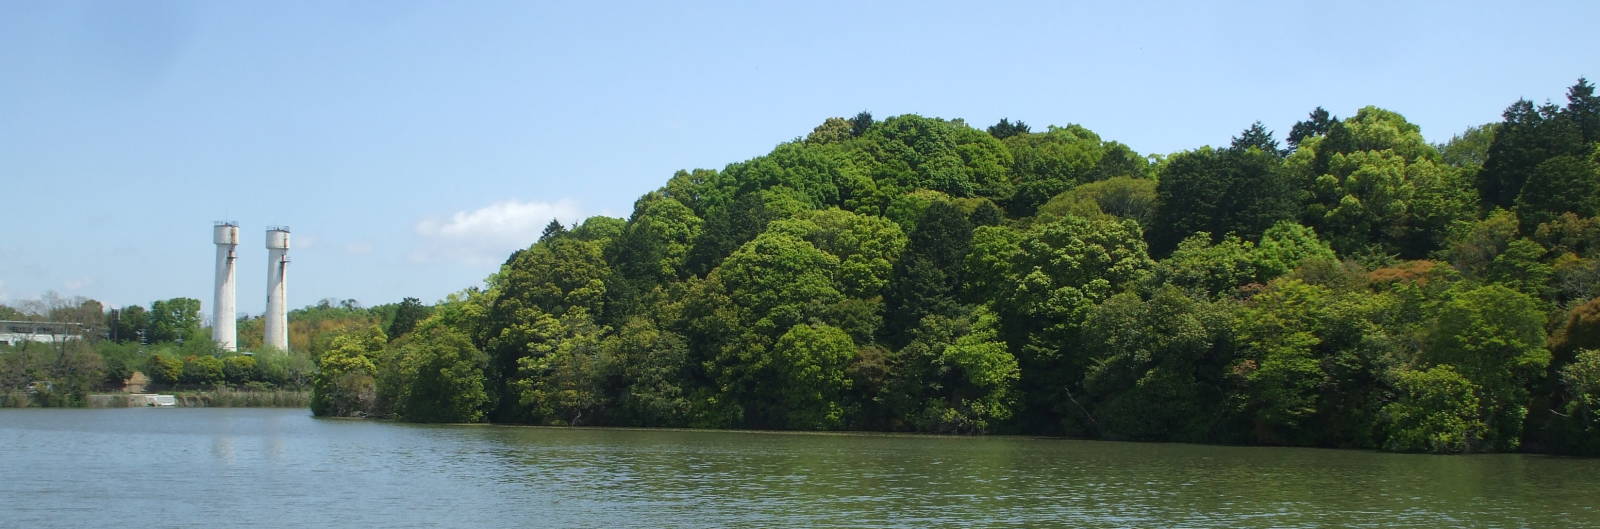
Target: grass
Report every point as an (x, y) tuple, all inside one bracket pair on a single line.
[(232, 398)]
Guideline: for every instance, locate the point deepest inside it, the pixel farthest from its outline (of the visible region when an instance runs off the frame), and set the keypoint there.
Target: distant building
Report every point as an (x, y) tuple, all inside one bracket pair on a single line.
[(16, 332)]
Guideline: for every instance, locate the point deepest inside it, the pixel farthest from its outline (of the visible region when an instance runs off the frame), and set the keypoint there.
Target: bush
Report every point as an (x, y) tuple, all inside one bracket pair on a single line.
[(238, 369), (1437, 411), (202, 370)]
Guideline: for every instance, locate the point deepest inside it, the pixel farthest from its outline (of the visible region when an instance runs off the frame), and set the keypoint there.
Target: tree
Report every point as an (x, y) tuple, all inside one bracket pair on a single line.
[(1581, 381), (553, 229), (1437, 411), (543, 282), (407, 314), (173, 319), (1054, 161), (128, 324), (345, 384), (1006, 128), (1494, 337), (867, 246), (1155, 371), (1257, 136), (860, 123), (1562, 184), (1316, 124), (808, 367), (1122, 196), (956, 376), (1527, 137), (655, 367), (440, 376), (1220, 192), (927, 277), (1377, 188)]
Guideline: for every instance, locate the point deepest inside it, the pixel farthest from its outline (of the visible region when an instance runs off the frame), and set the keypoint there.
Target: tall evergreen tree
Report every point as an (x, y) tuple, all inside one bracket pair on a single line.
[(1007, 128), (1256, 136), (1315, 124), (927, 277)]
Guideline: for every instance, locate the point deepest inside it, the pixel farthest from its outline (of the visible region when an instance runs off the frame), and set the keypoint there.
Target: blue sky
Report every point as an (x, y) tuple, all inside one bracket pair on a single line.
[(412, 146)]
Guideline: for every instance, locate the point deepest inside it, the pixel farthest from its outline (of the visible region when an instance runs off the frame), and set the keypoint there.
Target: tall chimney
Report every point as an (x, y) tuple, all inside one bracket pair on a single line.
[(226, 236), (277, 317)]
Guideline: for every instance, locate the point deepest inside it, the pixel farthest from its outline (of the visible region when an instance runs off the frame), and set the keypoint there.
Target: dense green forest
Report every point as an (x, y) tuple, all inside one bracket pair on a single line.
[(1356, 287)]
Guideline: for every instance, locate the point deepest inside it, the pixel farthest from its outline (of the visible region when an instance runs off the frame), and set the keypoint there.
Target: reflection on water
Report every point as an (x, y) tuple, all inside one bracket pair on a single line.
[(276, 468)]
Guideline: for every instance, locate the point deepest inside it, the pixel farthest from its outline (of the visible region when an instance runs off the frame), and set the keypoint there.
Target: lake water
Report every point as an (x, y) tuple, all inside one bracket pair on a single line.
[(282, 468)]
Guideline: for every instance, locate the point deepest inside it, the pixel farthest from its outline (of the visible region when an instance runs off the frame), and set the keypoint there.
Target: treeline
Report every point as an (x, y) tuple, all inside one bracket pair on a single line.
[(1356, 287), (169, 346)]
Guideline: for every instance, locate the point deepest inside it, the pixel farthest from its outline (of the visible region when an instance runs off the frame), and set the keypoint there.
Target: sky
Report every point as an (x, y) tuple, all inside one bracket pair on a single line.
[(411, 146)]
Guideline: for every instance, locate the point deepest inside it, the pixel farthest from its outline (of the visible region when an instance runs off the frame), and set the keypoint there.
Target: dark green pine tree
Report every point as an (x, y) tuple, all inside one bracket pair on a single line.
[(1315, 124), (1256, 136), (1560, 184), (860, 123), (927, 278), (1007, 128), (554, 228), (1528, 136), (407, 314), (1583, 108)]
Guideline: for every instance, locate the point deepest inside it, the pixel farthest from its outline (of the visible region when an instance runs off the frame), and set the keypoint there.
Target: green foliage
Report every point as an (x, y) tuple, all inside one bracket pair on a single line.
[(1122, 196), (1156, 367), (1316, 124), (919, 274), (163, 369), (1208, 269), (956, 376), (808, 377), (1494, 336), (173, 319), (1436, 411), (911, 152), (866, 246), (1526, 138), (438, 376), (1284, 247), (1563, 184), (411, 310), (1220, 192), (201, 371), (655, 365), (238, 370), (1052, 162), (1006, 128), (1581, 381), (1256, 137), (926, 279), (345, 383), (1310, 364)]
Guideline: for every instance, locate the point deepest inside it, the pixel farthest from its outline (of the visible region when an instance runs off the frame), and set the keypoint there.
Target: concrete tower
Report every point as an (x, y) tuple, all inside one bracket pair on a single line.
[(226, 235), (277, 317)]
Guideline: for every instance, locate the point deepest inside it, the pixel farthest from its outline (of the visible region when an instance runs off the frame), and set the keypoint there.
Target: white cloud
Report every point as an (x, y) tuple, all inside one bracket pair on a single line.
[(490, 233), (358, 248), (79, 284)]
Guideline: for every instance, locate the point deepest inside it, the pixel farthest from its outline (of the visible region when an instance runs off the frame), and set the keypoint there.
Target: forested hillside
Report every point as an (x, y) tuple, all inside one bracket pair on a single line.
[(1355, 287)]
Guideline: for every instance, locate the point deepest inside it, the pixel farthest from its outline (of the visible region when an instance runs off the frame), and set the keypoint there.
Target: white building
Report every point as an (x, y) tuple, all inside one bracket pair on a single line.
[(16, 332)]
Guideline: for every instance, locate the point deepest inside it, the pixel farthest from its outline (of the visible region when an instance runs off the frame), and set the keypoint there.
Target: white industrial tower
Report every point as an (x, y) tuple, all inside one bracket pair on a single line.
[(277, 324), (226, 235)]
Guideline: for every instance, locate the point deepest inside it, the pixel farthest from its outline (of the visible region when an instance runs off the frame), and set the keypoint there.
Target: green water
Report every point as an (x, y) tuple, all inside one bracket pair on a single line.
[(282, 468)]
